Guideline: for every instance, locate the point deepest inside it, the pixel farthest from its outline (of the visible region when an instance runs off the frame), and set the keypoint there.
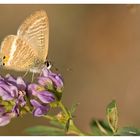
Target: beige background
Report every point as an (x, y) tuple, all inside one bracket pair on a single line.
[(97, 50)]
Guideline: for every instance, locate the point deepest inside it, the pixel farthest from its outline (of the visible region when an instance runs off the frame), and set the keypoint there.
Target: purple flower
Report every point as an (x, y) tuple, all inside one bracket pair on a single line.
[(4, 120), (45, 81), (41, 93), (5, 117), (10, 88), (17, 97), (7, 91), (39, 110), (12, 92), (51, 80)]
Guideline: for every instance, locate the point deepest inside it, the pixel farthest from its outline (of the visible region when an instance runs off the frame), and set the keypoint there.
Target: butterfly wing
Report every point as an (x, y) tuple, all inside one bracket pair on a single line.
[(19, 55), (35, 30)]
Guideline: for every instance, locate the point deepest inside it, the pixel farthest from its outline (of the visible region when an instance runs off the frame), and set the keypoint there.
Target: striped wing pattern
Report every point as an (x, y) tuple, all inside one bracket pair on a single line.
[(21, 56), (35, 30), (30, 46)]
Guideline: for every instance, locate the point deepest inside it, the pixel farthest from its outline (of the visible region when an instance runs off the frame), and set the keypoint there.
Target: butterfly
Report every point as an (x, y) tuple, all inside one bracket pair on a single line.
[(27, 51)]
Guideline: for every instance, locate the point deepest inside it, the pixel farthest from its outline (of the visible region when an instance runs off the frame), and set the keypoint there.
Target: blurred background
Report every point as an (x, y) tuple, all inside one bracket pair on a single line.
[(97, 50)]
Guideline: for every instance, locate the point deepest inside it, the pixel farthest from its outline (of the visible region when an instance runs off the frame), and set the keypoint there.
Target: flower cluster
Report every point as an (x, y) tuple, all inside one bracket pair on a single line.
[(18, 97)]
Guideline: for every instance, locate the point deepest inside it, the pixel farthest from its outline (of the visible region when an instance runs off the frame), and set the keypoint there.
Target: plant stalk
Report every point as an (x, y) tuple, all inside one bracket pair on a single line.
[(73, 129)]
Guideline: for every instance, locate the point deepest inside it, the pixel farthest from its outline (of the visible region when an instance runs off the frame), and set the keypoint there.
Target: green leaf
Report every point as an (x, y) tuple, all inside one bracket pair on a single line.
[(55, 123), (100, 128), (128, 131), (45, 130), (112, 116)]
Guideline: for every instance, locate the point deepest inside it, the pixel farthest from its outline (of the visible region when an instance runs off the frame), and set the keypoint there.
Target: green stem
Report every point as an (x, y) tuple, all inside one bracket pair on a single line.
[(60, 104), (49, 117), (73, 129)]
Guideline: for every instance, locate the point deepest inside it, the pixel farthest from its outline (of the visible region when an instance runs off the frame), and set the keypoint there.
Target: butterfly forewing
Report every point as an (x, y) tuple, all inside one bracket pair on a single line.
[(35, 30)]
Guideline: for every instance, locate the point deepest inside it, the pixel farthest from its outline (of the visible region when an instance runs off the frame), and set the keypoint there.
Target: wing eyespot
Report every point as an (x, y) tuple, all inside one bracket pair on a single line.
[(4, 57), (5, 60)]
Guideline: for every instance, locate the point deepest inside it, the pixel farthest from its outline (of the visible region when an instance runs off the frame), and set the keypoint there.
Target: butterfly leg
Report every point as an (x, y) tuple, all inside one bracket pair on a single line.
[(40, 73), (33, 77), (25, 73)]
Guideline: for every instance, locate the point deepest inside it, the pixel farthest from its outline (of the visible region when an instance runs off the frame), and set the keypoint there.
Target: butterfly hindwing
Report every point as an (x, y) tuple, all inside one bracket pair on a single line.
[(21, 56)]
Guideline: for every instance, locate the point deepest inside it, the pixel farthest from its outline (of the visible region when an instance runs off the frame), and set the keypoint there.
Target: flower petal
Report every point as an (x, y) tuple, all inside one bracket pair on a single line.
[(45, 72), (14, 91), (4, 120), (10, 89), (2, 110), (46, 96), (5, 95), (45, 81), (21, 84), (39, 110), (11, 80), (57, 80), (35, 103), (15, 110), (32, 88)]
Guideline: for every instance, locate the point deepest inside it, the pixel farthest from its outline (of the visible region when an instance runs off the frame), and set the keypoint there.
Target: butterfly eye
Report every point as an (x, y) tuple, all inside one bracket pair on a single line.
[(3, 64), (48, 63)]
